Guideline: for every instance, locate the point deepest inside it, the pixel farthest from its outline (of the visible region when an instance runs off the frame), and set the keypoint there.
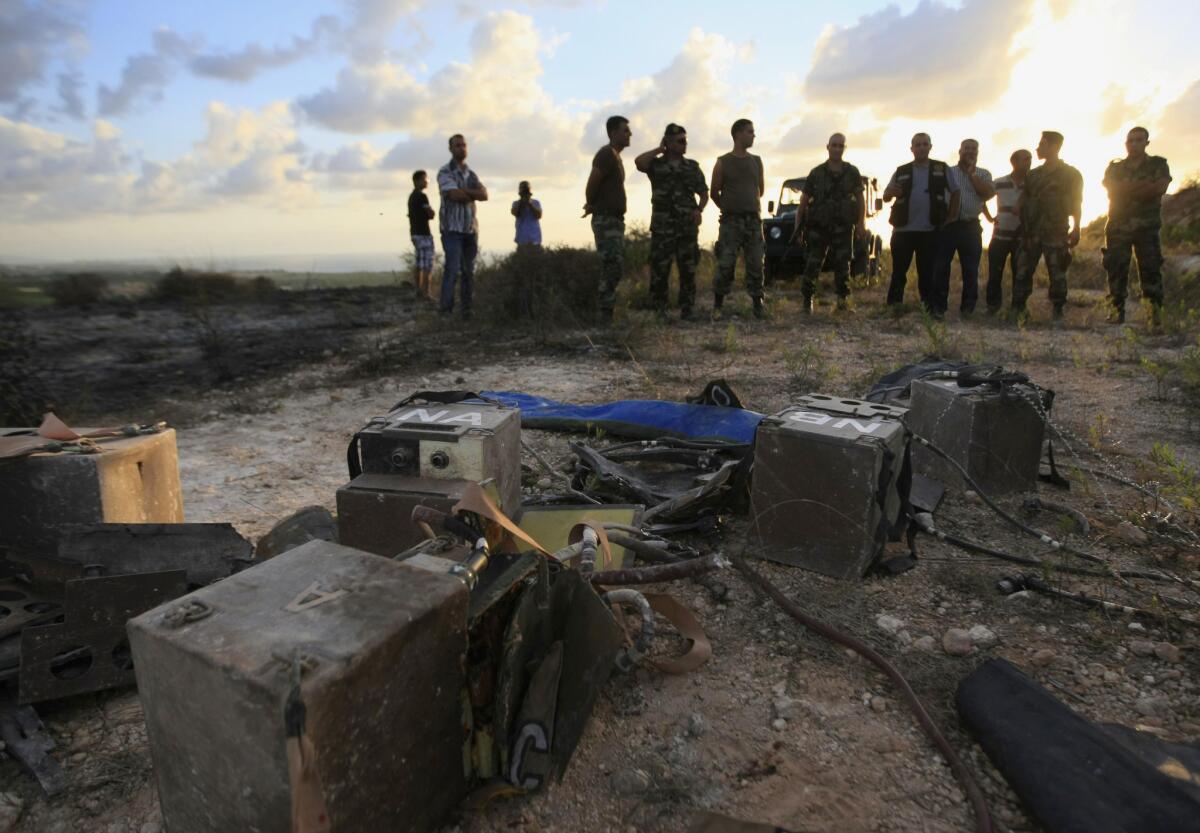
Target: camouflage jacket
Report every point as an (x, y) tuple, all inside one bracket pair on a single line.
[(1049, 200), (674, 190), (832, 196), (1125, 214)]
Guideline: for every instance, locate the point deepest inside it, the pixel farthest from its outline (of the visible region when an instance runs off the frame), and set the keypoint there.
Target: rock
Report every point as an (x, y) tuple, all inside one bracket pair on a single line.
[(1141, 647), (956, 642), (972, 496), (1111, 677), (925, 643), (1152, 705), (1043, 657), (544, 483), (889, 624), (696, 725), (629, 782), (1136, 626), (779, 724), (1131, 534), (783, 708), (1167, 652), (1021, 596), (11, 806), (879, 704), (982, 636)]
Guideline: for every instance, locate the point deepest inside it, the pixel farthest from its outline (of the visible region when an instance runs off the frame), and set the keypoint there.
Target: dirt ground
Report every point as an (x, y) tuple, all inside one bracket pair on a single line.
[(780, 726)]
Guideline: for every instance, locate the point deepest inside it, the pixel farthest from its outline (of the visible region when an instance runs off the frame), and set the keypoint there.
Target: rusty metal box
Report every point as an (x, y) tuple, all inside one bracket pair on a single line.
[(384, 646), (825, 485), (374, 511), (461, 441), (996, 437), (131, 480)]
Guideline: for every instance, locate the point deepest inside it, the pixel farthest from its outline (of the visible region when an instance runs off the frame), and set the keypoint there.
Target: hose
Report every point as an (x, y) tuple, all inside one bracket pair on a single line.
[(657, 553), (630, 655), (662, 572), (983, 817), (1081, 522), (1012, 584)]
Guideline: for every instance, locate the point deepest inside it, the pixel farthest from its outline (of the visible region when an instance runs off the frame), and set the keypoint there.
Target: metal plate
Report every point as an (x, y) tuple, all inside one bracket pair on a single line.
[(27, 740), (21, 606), (207, 551), (90, 651)]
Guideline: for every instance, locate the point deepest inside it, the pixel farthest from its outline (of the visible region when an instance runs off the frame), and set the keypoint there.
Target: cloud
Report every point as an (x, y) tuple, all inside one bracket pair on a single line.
[(249, 61), (936, 62), (369, 99), (32, 35), (1177, 134), (145, 75), (810, 135), (70, 84)]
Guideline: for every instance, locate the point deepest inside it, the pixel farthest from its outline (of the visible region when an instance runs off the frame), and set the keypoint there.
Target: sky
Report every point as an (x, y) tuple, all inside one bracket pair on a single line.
[(213, 133)]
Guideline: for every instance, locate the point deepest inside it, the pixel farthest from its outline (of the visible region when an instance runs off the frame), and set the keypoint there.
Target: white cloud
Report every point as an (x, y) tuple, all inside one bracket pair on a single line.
[(937, 61), (32, 36), (1177, 135), (70, 84), (145, 75)]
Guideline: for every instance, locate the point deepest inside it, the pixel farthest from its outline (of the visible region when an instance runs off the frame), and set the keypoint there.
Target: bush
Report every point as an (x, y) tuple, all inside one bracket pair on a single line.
[(202, 287), (540, 289), (78, 290)]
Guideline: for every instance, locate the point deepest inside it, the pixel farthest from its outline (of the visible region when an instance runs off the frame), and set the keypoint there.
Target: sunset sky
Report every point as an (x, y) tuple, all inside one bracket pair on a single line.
[(214, 132)]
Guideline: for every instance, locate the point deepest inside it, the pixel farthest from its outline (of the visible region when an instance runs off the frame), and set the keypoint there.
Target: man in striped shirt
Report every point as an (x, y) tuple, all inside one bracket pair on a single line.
[(1006, 228), (460, 190), (963, 234)]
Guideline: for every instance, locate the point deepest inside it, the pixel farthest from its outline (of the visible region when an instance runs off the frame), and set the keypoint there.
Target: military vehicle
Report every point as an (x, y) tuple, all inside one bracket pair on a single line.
[(785, 256)]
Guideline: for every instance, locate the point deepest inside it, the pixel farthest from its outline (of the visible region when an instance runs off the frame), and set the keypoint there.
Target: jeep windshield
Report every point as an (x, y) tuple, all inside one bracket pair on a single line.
[(789, 196)]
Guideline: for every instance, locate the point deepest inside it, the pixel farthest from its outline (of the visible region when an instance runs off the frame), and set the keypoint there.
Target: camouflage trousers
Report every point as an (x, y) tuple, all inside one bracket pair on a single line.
[(673, 244), (838, 242), (1058, 259), (609, 231), (1119, 249), (739, 231)]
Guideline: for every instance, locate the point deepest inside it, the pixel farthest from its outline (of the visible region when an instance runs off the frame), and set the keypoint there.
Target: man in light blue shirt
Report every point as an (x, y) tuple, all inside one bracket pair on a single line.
[(528, 212), (460, 190), (963, 233)]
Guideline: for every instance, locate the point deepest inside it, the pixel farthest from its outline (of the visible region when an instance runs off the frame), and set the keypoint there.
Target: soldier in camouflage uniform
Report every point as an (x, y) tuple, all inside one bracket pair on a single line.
[(830, 213), (605, 201), (737, 189), (675, 184), (1049, 208), (1135, 188)]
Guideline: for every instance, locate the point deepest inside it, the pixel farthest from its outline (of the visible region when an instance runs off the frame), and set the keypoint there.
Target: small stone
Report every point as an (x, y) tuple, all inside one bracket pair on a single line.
[(879, 704), (779, 724), (1136, 626), (1152, 705), (956, 642), (889, 624), (11, 807), (784, 708), (544, 483), (1043, 657), (1141, 647), (982, 636), (972, 496), (1167, 652), (925, 643), (696, 725), (1131, 534), (1111, 677), (629, 782), (1021, 596)]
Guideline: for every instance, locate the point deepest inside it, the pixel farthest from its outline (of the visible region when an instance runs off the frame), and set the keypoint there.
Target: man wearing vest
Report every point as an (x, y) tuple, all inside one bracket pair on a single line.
[(737, 189), (675, 182), (831, 212), (1050, 207), (1006, 228), (925, 196), (963, 234), (605, 201), (1135, 186)]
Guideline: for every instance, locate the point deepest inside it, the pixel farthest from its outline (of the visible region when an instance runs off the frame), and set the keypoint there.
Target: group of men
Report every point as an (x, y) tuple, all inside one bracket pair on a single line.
[(935, 216), (678, 196), (458, 225)]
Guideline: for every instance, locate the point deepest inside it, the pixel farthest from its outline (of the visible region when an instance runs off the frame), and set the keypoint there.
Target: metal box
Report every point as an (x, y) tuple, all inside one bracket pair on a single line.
[(824, 490), (213, 673), (374, 511), (996, 437), (445, 442), (131, 480)]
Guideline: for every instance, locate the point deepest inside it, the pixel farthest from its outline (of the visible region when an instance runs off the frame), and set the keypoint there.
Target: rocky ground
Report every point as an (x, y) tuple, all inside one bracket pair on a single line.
[(780, 726)]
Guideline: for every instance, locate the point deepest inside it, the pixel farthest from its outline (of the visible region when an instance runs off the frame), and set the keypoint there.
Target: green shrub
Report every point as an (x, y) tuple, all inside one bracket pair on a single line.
[(189, 285), (77, 290), (540, 290)]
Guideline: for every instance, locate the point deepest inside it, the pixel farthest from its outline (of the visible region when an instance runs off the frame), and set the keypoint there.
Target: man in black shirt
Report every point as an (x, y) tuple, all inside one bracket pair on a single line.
[(419, 215)]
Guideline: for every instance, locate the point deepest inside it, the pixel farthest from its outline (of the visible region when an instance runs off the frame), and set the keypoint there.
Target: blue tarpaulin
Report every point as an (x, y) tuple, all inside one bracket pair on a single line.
[(639, 419)]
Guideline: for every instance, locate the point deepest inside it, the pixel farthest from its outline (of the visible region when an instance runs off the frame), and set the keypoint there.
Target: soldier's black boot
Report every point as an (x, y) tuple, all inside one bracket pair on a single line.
[(806, 305), (760, 312), (1116, 313), (718, 313), (1058, 312)]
